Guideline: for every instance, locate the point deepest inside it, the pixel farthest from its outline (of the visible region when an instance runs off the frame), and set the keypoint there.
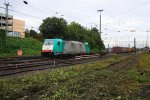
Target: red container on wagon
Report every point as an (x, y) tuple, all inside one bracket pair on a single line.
[(117, 49)]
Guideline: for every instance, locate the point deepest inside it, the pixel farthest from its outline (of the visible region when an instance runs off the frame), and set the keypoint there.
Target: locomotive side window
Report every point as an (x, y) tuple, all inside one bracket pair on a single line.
[(58, 43)]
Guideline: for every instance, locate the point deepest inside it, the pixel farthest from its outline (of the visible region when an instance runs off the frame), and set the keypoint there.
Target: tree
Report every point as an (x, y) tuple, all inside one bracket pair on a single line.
[(2, 34), (2, 40), (39, 37), (76, 32), (33, 33), (53, 27), (27, 33), (80, 33), (97, 43), (94, 29), (30, 33)]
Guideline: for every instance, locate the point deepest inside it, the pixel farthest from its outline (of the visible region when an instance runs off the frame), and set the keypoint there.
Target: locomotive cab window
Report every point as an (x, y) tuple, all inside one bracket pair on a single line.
[(48, 42)]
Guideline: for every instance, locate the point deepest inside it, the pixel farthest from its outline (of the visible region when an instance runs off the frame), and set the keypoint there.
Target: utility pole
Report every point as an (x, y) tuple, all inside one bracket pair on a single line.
[(100, 28), (147, 39), (108, 45), (135, 44), (6, 21), (100, 23)]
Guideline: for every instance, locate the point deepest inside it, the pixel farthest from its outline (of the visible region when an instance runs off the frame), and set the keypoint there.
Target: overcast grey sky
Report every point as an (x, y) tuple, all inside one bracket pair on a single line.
[(119, 17)]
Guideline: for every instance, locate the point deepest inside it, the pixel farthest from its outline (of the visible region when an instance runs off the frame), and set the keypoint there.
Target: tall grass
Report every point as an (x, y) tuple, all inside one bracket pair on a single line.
[(141, 72), (144, 62), (29, 46)]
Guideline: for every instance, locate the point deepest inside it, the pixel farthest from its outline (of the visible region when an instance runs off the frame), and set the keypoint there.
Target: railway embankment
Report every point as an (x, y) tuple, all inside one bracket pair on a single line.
[(29, 46)]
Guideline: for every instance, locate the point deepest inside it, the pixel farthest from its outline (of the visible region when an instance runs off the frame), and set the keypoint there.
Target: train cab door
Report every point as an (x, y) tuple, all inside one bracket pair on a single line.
[(59, 47)]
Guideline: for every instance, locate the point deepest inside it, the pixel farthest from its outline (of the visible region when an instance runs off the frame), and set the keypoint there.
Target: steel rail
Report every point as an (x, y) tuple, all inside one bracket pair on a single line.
[(11, 69)]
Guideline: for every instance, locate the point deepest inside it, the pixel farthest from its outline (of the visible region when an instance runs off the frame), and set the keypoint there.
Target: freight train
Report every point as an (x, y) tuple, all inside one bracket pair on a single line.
[(122, 50), (55, 47)]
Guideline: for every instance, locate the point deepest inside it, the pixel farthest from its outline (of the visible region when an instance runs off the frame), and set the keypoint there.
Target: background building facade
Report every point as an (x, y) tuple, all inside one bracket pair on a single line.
[(16, 27)]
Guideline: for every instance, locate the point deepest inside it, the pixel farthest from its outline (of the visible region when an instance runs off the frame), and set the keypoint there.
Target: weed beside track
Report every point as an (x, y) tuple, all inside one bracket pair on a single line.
[(99, 80)]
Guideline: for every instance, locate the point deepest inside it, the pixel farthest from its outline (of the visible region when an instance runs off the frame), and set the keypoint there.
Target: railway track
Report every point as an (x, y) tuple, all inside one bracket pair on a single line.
[(2, 59), (13, 66)]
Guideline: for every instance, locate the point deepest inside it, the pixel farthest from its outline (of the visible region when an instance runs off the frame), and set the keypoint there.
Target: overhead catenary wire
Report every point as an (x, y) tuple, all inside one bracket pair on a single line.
[(27, 26), (131, 9), (54, 11), (35, 16), (22, 13), (120, 14), (112, 26), (35, 8), (32, 15)]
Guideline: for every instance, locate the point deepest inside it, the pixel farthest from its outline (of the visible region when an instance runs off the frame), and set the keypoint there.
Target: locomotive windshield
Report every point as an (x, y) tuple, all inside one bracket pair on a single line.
[(48, 42)]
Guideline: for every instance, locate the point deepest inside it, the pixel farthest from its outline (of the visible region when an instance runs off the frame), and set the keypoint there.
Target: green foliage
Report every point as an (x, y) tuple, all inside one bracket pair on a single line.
[(53, 27), (2, 39), (143, 67), (79, 33), (89, 81), (34, 34), (144, 62), (39, 37), (29, 46), (2, 34), (27, 33), (138, 76)]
